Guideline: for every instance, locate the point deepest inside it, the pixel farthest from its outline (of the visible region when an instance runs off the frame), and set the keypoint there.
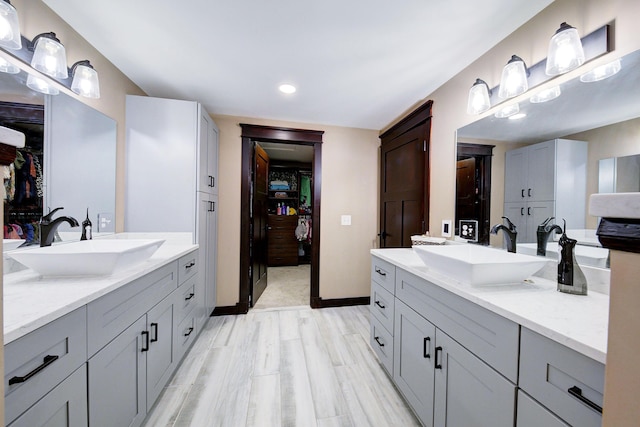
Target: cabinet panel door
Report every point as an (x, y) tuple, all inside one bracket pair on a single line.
[(160, 361), (515, 175), (117, 380), (517, 214), (533, 414), (467, 391), (207, 239), (542, 171), (414, 344), (64, 406), (536, 213)]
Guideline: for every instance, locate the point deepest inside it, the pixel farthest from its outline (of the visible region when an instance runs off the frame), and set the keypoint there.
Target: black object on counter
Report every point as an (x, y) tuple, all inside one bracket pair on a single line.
[(571, 279)]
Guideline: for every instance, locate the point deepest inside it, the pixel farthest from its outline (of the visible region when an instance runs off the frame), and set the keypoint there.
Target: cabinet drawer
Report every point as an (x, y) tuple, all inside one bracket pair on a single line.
[(187, 267), (384, 273), (283, 221), (65, 405), (382, 305), (489, 336), (532, 414), (185, 336), (186, 299), (40, 360), (548, 370), (111, 314), (382, 344)]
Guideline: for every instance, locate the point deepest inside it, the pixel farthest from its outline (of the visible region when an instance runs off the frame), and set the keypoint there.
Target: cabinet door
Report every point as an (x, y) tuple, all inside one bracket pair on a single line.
[(467, 391), (515, 175), (160, 357), (541, 171), (414, 344), (207, 240), (117, 380), (64, 406), (517, 214), (533, 414), (536, 213), (206, 154)]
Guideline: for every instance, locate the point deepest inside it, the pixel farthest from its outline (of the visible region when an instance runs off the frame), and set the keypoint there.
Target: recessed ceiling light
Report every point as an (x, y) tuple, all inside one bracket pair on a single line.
[(287, 88)]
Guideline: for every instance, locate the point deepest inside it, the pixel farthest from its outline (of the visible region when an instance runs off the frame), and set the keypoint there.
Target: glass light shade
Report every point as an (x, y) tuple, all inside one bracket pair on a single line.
[(602, 72), (85, 80), (507, 111), (565, 51), (8, 67), (479, 101), (9, 27), (514, 78), (546, 95), (39, 85), (50, 56)]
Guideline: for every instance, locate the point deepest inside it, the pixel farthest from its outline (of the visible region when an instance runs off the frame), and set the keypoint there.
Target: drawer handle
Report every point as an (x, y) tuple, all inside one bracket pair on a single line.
[(380, 305), (191, 264), (145, 345), (191, 295), (380, 272), (438, 365), (424, 348), (381, 344), (188, 332), (576, 392), (154, 328), (48, 360)]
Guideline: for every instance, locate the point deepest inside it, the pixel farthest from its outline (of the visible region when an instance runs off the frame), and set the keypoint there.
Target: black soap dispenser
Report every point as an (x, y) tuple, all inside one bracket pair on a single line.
[(571, 279), (86, 228)]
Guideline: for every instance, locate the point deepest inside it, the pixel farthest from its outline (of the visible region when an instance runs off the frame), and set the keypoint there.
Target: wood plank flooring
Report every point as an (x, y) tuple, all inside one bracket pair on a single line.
[(292, 366)]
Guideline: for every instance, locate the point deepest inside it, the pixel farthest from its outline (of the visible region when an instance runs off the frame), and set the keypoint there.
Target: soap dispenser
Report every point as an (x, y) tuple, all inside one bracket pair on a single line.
[(86, 228), (571, 279)]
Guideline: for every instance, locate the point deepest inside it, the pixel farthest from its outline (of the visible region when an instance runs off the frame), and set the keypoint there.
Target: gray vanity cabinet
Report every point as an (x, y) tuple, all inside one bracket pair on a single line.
[(543, 180), (533, 414), (172, 182)]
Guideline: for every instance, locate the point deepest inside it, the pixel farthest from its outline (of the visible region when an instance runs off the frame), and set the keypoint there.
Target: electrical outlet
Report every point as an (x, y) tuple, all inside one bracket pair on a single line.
[(446, 228), (345, 220)]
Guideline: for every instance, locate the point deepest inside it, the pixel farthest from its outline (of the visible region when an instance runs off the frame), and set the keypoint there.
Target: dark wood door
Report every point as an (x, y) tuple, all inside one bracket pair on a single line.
[(404, 163), (259, 243)]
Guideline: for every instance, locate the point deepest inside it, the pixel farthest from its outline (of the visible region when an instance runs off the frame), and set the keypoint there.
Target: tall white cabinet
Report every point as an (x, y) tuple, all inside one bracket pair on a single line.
[(543, 180), (172, 178)]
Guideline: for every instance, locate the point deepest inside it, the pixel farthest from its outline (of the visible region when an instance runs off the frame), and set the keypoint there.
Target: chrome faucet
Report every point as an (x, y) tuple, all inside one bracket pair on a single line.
[(49, 226), (509, 233), (544, 231)]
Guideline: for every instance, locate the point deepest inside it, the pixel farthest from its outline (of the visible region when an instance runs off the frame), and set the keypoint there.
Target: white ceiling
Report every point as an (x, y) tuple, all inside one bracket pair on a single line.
[(356, 63)]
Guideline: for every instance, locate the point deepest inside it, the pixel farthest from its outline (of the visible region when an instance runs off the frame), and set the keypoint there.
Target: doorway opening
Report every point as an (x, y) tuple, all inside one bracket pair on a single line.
[(473, 189), (280, 203)]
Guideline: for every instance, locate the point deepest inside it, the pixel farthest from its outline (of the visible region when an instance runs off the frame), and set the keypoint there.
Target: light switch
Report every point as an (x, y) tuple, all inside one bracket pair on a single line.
[(446, 228), (345, 220)]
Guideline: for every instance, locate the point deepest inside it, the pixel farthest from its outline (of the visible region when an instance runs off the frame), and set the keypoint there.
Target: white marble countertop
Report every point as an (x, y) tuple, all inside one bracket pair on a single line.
[(31, 301), (578, 322)]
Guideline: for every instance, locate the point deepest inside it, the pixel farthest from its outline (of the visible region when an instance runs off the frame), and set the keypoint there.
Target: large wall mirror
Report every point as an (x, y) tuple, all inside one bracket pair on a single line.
[(69, 160), (605, 114)]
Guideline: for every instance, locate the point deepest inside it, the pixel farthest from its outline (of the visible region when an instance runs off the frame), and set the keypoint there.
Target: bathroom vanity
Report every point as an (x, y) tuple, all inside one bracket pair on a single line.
[(98, 350), (493, 355)]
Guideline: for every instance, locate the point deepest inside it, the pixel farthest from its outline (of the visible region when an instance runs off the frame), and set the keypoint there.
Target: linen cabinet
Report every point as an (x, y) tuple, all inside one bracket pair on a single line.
[(171, 179), (543, 180)]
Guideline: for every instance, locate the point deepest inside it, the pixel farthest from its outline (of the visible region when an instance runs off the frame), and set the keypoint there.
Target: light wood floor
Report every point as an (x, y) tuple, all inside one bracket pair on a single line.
[(283, 367)]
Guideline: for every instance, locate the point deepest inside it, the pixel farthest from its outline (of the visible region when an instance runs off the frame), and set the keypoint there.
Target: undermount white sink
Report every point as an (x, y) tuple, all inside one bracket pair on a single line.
[(87, 257), (585, 255), (479, 265)]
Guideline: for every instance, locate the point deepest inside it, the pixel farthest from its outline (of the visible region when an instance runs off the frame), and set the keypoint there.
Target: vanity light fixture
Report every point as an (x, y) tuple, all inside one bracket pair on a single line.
[(287, 88), (40, 85), (517, 116), (49, 56), (85, 80), (565, 51), (602, 72), (508, 111), (514, 78), (9, 26), (545, 95), (479, 97), (8, 67)]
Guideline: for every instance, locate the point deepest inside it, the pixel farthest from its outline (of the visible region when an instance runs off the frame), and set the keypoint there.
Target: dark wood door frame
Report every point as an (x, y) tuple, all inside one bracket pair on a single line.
[(250, 134), (482, 154)]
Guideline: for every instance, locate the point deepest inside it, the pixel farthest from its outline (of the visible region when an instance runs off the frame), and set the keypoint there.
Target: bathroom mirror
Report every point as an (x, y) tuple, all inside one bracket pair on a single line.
[(75, 150), (605, 113)]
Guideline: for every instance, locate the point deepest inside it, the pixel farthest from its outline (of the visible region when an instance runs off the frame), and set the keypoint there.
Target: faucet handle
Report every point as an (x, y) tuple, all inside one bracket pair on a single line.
[(49, 216), (546, 221), (512, 226)]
